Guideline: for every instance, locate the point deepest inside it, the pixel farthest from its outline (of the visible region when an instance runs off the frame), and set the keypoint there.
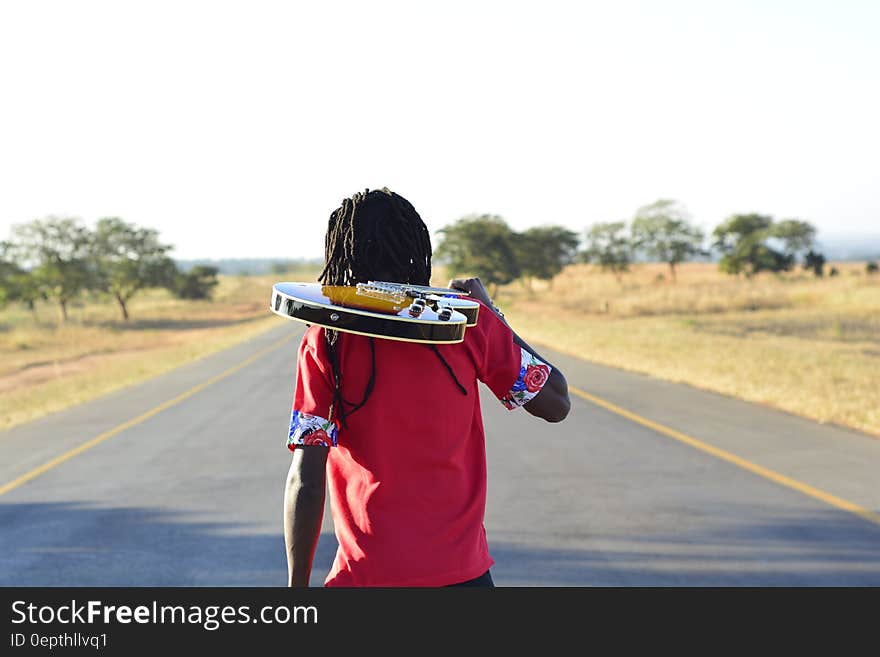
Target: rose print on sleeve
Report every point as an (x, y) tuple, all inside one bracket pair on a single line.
[(536, 376), (308, 429), (521, 380), (533, 374)]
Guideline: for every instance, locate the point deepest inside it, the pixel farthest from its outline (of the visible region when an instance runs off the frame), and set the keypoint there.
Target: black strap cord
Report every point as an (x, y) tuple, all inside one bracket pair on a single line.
[(340, 402), (433, 348)]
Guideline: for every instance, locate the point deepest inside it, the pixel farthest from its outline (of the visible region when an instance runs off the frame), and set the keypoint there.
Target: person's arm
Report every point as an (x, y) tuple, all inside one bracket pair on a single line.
[(304, 510), (552, 402)]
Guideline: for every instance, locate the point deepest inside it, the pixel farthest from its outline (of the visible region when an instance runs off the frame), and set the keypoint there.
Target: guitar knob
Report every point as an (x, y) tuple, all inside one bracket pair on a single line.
[(417, 307), (445, 314)]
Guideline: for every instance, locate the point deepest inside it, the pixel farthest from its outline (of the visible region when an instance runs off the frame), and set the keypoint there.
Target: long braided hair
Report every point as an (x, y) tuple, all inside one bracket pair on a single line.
[(376, 232), (374, 235)]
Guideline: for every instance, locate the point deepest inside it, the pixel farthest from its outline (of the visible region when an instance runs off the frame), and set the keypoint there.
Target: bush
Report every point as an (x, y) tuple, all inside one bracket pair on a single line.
[(198, 283), (814, 261), (871, 267)]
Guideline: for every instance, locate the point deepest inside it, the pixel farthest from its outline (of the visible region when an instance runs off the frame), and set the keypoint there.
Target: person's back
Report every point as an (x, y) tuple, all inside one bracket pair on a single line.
[(397, 427)]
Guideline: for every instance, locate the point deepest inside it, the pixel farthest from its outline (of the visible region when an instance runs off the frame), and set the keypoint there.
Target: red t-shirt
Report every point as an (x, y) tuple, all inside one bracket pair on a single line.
[(407, 476)]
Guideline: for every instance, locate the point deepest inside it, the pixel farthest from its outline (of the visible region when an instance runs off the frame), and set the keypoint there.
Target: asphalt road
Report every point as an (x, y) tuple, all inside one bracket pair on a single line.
[(190, 494)]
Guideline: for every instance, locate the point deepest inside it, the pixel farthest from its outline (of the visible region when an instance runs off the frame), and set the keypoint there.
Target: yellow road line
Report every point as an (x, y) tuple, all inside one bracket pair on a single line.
[(754, 468), (58, 460)]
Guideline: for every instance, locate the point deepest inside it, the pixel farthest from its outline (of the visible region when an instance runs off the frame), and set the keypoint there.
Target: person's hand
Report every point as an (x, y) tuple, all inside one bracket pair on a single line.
[(474, 286)]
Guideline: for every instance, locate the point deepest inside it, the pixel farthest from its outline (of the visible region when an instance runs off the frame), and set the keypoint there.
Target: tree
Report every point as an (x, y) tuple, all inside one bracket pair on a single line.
[(871, 268), (57, 250), (9, 272), (608, 246), (198, 283), (16, 283), (737, 237), (543, 251), (480, 245), (814, 261), (741, 239), (663, 231), (796, 236), (752, 243), (128, 259)]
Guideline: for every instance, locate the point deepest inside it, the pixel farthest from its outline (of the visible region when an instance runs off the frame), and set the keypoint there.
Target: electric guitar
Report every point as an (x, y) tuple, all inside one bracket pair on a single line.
[(393, 311)]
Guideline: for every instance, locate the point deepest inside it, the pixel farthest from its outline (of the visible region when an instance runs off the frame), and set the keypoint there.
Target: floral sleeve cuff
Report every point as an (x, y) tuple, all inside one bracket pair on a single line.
[(308, 429), (533, 374)]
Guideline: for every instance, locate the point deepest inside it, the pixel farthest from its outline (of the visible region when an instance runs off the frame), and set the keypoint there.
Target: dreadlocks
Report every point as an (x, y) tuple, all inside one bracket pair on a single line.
[(374, 235), (376, 232)]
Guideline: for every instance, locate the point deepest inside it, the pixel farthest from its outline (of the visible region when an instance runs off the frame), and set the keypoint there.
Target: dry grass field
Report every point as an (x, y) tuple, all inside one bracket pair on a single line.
[(805, 345), (46, 366)]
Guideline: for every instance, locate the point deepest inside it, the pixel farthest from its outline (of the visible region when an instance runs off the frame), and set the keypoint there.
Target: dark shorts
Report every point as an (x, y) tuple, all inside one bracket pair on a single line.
[(483, 580)]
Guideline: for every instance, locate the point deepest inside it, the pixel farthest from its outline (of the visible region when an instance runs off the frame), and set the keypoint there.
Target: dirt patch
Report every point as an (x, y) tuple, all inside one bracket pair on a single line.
[(37, 373), (831, 329)]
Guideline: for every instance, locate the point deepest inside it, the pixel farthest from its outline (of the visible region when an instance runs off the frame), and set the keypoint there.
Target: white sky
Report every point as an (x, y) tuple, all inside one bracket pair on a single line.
[(235, 128)]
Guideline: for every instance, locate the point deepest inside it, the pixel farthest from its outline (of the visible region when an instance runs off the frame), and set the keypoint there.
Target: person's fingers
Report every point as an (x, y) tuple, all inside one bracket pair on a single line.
[(458, 284)]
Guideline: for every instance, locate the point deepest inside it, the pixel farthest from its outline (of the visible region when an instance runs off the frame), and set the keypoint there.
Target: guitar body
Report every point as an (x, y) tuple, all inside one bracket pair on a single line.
[(383, 310)]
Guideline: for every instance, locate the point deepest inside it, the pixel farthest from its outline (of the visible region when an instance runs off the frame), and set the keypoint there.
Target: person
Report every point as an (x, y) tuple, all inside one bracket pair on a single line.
[(394, 429)]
